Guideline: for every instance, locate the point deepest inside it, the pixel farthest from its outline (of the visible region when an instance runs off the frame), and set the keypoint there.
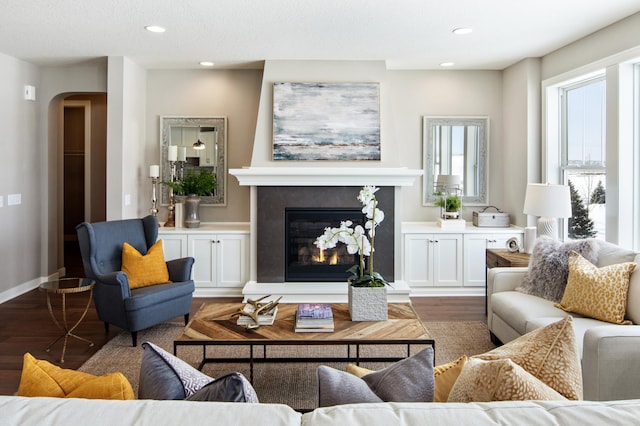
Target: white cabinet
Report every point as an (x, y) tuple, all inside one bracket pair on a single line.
[(433, 260), (221, 254), (475, 246), (448, 262), (220, 259)]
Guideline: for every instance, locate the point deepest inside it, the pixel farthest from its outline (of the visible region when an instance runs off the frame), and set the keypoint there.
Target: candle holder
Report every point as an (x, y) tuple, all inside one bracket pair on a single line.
[(154, 199), (171, 218)]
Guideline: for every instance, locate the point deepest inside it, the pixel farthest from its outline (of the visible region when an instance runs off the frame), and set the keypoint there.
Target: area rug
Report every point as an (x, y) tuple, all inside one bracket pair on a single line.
[(294, 384)]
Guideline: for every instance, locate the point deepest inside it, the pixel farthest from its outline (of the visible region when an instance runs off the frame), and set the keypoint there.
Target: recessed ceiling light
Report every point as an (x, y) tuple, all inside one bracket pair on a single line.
[(206, 63), (462, 30), (155, 28), (447, 64)]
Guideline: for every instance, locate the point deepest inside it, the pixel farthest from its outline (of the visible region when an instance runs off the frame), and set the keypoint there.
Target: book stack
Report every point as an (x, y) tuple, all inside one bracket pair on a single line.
[(314, 318), (263, 319)]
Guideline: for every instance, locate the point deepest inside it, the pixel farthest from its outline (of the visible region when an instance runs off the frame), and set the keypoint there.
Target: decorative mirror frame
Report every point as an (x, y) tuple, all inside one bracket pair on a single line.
[(166, 122), (429, 122)]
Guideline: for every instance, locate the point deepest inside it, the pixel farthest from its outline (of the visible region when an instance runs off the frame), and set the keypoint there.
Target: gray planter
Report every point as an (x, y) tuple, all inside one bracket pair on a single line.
[(368, 303), (192, 211)]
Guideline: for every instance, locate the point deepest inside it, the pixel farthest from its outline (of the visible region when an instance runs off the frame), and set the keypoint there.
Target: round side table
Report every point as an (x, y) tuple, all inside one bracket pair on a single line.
[(64, 286)]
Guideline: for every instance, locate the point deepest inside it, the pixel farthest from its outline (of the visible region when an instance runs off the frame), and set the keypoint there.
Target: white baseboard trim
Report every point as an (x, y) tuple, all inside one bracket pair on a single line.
[(20, 289), (447, 291)]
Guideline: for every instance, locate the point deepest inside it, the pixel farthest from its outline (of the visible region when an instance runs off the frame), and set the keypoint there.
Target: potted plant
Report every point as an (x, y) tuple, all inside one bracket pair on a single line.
[(450, 205), (194, 185), (367, 288)]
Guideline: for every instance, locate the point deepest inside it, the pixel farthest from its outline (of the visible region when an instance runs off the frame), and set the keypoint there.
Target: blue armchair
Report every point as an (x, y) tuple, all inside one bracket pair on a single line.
[(138, 308)]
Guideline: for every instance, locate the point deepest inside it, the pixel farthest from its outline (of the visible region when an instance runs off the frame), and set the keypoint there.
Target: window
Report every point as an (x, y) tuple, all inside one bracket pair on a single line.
[(583, 156)]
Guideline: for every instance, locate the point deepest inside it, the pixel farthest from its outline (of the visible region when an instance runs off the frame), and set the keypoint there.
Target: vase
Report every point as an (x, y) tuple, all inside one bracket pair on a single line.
[(368, 303), (192, 211)]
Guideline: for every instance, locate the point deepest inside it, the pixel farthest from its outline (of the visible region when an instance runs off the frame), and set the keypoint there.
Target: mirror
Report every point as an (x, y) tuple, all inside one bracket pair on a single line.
[(456, 146), (201, 142)]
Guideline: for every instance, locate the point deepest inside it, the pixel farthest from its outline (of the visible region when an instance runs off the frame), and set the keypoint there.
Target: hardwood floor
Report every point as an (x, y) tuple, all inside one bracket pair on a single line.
[(26, 326)]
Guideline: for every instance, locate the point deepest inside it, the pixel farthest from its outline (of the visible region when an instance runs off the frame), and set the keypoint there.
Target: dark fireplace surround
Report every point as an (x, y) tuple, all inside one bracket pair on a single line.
[(272, 202)]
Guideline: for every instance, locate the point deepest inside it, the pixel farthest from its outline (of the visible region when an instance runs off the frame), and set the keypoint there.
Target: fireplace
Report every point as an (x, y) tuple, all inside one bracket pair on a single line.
[(304, 262)]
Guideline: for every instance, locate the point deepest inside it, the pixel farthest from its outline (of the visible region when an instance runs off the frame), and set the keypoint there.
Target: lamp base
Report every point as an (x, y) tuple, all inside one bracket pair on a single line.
[(548, 226)]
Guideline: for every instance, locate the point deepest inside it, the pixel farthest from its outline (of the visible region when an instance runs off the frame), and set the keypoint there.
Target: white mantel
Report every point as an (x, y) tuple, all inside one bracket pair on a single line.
[(326, 176), (321, 176)]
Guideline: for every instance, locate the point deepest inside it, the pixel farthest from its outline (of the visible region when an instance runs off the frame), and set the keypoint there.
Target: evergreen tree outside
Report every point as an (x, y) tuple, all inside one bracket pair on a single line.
[(580, 225), (598, 196)]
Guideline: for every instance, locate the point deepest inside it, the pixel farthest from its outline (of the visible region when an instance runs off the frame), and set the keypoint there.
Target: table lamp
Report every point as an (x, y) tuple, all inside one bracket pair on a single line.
[(549, 202)]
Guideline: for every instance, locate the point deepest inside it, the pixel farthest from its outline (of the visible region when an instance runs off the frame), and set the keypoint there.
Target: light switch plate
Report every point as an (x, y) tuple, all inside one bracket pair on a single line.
[(14, 199), (30, 93), (1, 201)]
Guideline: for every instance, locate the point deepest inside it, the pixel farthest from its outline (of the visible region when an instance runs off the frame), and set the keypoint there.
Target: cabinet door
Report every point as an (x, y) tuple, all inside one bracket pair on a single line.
[(447, 259), (203, 248), (174, 246), (475, 246), (232, 260), (418, 270)]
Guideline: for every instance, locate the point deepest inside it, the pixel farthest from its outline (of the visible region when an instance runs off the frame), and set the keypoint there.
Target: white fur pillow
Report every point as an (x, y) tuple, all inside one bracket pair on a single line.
[(549, 266)]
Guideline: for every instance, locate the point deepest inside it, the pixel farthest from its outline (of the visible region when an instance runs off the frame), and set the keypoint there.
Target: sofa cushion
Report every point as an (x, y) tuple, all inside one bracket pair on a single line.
[(164, 376), (550, 354), (445, 375), (599, 293), (609, 254), (548, 269), (517, 309), (498, 380), (232, 387), (41, 378), (144, 270), (408, 380)]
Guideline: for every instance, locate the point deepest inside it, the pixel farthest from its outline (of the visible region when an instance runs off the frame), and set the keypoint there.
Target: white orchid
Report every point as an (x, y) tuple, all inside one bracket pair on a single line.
[(356, 238)]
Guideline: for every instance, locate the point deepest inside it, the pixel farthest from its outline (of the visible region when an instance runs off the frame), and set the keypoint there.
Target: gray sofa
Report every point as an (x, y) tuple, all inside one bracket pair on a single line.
[(24, 411), (610, 353)]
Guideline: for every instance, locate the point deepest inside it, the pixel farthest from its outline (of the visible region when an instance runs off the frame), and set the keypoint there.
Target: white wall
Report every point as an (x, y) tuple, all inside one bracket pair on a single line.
[(21, 228), (405, 97), (205, 93)]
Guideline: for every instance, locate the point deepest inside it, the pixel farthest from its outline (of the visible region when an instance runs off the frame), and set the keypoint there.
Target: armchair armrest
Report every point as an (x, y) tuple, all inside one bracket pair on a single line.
[(115, 280), (611, 362), (180, 269)]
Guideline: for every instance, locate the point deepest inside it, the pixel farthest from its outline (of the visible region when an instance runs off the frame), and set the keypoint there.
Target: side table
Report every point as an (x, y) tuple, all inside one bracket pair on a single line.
[(64, 286), (503, 258)]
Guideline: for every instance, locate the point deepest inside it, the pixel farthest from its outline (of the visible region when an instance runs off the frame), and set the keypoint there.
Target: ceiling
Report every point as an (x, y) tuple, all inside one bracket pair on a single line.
[(408, 34)]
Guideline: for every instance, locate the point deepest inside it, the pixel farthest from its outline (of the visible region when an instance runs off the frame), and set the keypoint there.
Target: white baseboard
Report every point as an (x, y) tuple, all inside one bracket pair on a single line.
[(20, 289)]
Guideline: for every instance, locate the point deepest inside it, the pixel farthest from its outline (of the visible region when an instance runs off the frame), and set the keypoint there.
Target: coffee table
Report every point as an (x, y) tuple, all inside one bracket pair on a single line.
[(214, 325)]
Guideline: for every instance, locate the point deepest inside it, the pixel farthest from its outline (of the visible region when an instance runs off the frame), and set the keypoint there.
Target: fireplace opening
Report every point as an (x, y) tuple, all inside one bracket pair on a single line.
[(304, 261)]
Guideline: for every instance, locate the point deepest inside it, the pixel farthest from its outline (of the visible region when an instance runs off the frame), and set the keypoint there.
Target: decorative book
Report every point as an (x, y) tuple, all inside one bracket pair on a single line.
[(314, 317), (263, 319)]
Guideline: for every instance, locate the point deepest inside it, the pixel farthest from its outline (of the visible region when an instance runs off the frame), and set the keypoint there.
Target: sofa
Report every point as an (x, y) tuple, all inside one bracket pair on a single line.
[(610, 352), (42, 411)]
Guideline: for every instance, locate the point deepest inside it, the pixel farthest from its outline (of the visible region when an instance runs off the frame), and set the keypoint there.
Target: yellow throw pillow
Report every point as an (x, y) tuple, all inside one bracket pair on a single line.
[(41, 378), (550, 354), (146, 270), (498, 380), (446, 376), (599, 293)]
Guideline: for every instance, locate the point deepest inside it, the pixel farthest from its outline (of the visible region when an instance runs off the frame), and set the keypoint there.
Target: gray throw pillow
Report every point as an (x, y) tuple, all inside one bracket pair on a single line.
[(408, 380), (549, 266), (233, 387), (165, 376)]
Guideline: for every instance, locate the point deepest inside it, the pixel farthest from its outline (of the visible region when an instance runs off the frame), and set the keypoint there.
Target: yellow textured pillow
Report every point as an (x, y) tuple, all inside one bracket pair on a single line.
[(144, 270), (41, 378), (498, 380), (599, 293), (550, 354), (446, 376)]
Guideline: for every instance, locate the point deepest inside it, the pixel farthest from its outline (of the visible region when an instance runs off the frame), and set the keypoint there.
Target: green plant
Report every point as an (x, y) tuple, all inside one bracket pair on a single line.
[(201, 184), (450, 203)]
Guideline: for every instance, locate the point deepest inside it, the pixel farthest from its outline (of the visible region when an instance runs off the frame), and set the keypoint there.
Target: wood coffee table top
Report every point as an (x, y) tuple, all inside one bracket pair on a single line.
[(214, 324)]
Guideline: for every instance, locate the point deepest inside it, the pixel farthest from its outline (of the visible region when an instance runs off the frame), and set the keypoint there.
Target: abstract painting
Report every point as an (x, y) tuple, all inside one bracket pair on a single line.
[(326, 121)]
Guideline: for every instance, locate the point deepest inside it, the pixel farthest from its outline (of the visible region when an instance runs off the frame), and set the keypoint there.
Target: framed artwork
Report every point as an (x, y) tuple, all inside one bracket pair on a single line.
[(326, 121)]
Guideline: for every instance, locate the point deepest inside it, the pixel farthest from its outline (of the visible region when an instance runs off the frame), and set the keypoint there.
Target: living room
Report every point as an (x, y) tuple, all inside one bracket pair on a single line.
[(514, 97)]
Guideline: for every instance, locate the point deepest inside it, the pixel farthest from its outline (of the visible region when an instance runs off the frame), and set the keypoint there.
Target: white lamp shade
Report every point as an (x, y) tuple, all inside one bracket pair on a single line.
[(547, 200), (448, 181)]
